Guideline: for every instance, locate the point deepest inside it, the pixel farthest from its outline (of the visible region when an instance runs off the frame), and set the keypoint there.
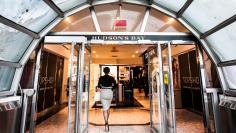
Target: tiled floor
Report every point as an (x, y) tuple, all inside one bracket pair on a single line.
[(187, 122)]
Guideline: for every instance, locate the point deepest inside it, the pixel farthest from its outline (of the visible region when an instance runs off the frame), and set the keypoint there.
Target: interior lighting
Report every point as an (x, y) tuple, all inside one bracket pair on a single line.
[(133, 56), (136, 52), (171, 20), (94, 51), (68, 20), (97, 56)]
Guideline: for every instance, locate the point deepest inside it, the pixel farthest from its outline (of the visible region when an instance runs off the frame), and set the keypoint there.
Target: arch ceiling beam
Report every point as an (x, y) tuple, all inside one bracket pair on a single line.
[(54, 7), (10, 64), (145, 19), (95, 20), (219, 27), (184, 8), (16, 26)]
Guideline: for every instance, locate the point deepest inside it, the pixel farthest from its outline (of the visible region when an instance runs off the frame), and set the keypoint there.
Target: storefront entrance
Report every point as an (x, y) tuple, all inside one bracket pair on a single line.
[(160, 77)]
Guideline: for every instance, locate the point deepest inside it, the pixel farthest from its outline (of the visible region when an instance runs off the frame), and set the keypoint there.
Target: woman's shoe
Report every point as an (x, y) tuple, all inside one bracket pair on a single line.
[(106, 127)]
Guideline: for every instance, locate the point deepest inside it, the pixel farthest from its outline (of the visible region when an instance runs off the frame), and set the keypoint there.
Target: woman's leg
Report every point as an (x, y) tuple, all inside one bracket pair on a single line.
[(105, 116)]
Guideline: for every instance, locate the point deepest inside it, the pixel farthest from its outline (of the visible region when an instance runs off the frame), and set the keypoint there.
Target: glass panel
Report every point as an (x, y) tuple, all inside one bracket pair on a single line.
[(223, 42), (206, 14), (65, 5), (33, 14), (229, 73), (158, 22), (6, 77), (81, 21), (85, 92), (168, 90), (174, 5), (12, 43), (107, 14), (212, 79), (155, 91)]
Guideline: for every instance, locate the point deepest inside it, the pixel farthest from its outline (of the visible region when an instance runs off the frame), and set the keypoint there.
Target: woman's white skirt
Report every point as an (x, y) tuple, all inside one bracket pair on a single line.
[(106, 98)]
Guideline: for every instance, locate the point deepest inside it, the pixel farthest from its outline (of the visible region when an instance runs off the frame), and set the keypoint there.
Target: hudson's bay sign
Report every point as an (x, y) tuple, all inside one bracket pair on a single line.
[(117, 37)]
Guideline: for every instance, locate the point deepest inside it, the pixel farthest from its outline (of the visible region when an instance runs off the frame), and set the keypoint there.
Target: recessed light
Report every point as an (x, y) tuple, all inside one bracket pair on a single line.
[(97, 55), (133, 56), (136, 52), (94, 51), (68, 20)]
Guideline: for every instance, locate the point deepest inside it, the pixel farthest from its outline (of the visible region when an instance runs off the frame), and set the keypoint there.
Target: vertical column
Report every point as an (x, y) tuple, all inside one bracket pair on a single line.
[(34, 98), (162, 87), (203, 84), (70, 86), (172, 107)]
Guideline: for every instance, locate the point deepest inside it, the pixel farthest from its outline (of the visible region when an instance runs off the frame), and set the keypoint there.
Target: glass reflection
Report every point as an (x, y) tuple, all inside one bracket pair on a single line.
[(6, 77), (33, 14), (13, 43)]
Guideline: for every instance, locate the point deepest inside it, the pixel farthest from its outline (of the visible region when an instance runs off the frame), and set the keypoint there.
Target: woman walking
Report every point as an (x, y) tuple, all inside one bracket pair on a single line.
[(106, 83)]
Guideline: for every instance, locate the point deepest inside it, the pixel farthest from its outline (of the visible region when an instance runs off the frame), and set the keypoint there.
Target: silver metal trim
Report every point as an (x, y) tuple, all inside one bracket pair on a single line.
[(227, 63), (219, 27), (162, 88), (8, 99), (70, 86), (184, 8), (18, 27), (10, 64), (35, 42), (26, 94), (224, 84), (64, 39), (203, 84), (118, 33), (34, 97), (77, 98), (89, 52), (145, 19), (95, 20), (16, 79), (171, 86), (6, 93), (54, 7)]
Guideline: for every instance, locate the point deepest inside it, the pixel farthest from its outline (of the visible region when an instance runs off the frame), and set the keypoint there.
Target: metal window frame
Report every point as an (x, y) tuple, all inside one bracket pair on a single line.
[(145, 19), (219, 27), (154, 5), (184, 8), (94, 18), (10, 64), (38, 37), (54, 7), (18, 27)]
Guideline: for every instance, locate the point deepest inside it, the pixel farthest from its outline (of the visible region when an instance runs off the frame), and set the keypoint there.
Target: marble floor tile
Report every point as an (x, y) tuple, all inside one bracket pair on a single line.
[(186, 121)]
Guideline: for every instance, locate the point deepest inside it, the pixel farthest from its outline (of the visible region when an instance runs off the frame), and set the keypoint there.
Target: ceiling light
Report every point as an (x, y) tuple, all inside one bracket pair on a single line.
[(68, 20), (96, 55), (133, 56), (171, 20), (94, 51), (136, 52)]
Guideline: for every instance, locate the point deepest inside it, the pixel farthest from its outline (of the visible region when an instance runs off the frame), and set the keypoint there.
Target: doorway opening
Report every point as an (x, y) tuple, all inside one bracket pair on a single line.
[(158, 107)]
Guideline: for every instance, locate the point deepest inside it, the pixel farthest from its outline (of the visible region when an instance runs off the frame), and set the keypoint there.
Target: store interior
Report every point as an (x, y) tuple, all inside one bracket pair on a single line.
[(130, 65)]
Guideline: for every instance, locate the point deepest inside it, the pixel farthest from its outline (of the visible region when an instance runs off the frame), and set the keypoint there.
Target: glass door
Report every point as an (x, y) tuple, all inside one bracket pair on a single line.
[(162, 112), (82, 92)]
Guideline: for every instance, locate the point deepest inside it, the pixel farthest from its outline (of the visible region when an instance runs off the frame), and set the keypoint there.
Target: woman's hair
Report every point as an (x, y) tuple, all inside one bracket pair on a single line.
[(106, 70)]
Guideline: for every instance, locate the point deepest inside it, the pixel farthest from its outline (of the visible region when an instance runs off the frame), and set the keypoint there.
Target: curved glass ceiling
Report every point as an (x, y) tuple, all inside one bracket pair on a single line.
[(65, 5), (13, 43), (32, 14), (35, 15)]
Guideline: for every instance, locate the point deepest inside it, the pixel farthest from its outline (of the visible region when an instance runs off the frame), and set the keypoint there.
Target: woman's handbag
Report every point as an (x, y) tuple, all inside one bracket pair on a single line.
[(97, 95)]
